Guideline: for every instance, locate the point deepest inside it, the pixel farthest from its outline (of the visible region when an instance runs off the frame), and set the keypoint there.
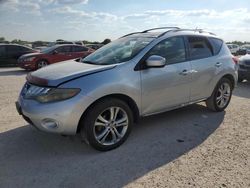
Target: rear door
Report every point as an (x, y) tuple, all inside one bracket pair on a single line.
[(203, 66), (3, 56), (169, 86), (13, 53)]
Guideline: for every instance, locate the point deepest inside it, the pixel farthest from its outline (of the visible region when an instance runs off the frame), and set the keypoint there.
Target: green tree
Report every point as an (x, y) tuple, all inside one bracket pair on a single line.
[(106, 41)]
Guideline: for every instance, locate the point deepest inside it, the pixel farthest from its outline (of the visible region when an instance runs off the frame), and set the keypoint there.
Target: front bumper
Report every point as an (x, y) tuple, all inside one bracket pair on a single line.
[(30, 65), (59, 117), (244, 72)]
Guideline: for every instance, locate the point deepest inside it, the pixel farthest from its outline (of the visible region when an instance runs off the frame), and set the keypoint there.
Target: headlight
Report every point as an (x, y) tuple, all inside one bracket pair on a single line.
[(29, 59), (45, 95)]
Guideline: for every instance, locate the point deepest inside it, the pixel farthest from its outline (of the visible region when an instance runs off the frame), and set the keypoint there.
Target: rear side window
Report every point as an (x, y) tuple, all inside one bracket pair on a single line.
[(64, 49), (172, 49), (199, 48), (79, 49), (217, 44), (23, 49), (13, 49), (2, 50)]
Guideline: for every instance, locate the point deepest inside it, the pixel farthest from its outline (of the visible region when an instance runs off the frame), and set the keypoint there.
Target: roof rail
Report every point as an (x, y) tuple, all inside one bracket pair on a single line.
[(130, 34), (157, 28), (195, 30)]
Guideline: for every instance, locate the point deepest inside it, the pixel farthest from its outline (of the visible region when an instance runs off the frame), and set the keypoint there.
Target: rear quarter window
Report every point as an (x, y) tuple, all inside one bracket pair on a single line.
[(216, 44)]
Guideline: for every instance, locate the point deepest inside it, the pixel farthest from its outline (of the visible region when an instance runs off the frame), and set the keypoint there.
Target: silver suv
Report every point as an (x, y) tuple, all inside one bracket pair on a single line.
[(140, 74)]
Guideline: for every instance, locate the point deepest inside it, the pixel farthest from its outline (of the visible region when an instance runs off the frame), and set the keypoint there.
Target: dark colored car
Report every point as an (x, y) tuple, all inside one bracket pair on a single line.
[(244, 68), (9, 54), (52, 55)]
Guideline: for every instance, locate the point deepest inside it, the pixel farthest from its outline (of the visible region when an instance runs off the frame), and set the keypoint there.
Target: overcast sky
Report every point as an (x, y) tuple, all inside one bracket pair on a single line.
[(100, 19)]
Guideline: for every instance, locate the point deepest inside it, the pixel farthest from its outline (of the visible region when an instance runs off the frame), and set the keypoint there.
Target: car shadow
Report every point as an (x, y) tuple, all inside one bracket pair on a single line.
[(30, 158), (15, 72), (243, 90)]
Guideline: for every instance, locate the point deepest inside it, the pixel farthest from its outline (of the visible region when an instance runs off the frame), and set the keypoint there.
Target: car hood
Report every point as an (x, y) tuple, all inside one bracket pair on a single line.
[(56, 74), (245, 57), (30, 55)]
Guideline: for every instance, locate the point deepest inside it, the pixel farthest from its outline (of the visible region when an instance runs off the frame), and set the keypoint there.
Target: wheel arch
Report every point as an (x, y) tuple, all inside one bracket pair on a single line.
[(230, 78), (131, 103)]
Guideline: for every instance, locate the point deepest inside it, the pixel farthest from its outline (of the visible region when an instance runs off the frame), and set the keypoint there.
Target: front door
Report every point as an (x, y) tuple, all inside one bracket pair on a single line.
[(169, 86)]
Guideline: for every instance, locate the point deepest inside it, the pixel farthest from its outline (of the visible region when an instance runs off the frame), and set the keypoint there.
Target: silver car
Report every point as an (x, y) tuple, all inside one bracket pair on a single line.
[(138, 75)]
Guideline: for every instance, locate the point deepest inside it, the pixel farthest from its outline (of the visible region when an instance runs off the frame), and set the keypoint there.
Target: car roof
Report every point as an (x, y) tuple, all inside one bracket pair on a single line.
[(59, 45), (173, 32), (3, 44)]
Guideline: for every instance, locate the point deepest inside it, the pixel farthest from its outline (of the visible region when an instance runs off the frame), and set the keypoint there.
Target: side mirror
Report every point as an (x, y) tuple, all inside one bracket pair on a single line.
[(156, 61), (55, 52)]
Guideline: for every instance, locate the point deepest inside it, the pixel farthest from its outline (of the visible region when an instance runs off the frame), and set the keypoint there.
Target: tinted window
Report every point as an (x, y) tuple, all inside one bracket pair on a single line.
[(23, 49), (2, 50), (63, 49), (172, 49), (79, 49), (199, 47), (217, 44), (13, 49)]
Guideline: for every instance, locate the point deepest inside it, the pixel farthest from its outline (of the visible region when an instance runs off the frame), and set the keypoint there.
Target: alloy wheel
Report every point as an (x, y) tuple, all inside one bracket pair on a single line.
[(223, 95), (111, 125)]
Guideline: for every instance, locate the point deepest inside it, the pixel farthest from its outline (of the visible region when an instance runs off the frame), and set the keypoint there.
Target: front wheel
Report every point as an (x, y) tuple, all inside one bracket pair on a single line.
[(41, 64), (107, 124), (221, 96)]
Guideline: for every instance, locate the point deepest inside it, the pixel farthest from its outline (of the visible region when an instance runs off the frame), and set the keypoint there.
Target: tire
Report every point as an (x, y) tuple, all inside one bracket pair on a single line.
[(100, 130), (219, 101), (41, 63)]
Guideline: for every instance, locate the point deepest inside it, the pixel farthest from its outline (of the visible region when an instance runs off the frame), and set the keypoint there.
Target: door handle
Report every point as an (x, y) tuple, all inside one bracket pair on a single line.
[(218, 64), (184, 72)]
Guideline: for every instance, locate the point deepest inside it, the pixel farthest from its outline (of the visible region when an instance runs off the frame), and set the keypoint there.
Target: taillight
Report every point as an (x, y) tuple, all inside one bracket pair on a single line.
[(235, 60)]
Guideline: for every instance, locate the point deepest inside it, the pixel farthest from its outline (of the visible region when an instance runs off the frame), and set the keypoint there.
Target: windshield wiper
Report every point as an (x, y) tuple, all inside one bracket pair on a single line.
[(90, 62)]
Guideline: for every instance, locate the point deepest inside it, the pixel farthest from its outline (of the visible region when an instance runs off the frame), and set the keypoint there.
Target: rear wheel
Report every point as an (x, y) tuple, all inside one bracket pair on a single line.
[(41, 64), (107, 124), (221, 96)]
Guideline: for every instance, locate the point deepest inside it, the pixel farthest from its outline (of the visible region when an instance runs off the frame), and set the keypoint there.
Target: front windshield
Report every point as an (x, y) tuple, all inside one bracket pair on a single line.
[(121, 50), (48, 50)]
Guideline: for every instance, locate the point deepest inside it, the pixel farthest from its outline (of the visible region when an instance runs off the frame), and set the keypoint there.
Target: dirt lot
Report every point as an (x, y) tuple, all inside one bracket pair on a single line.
[(182, 148)]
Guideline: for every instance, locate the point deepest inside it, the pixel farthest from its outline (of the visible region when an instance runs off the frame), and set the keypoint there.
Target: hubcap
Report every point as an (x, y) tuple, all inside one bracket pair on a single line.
[(42, 64), (111, 126), (223, 95)]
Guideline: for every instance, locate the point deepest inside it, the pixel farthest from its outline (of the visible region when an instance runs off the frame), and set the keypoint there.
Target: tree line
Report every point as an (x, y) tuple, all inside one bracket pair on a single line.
[(45, 43)]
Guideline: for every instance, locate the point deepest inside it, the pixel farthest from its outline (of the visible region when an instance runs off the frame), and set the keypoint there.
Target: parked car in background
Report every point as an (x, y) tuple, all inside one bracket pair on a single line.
[(94, 46), (66, 42), (40, 48), (9, 54), (138, 75), (244, 49), (244, 68), (52, 55), (234, 48)]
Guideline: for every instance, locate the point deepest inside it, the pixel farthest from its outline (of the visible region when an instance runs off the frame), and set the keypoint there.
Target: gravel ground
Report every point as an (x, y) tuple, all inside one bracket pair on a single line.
[(183, 148)]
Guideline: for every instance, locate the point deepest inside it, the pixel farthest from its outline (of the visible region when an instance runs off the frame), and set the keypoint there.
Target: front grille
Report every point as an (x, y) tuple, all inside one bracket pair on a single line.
[(247, 62)]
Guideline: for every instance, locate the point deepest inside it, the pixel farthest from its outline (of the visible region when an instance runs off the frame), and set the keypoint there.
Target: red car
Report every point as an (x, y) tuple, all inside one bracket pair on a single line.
[(54, 54)]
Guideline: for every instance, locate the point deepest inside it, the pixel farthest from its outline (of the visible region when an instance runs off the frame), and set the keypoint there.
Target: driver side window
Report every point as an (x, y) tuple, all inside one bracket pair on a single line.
[(172, 49)]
